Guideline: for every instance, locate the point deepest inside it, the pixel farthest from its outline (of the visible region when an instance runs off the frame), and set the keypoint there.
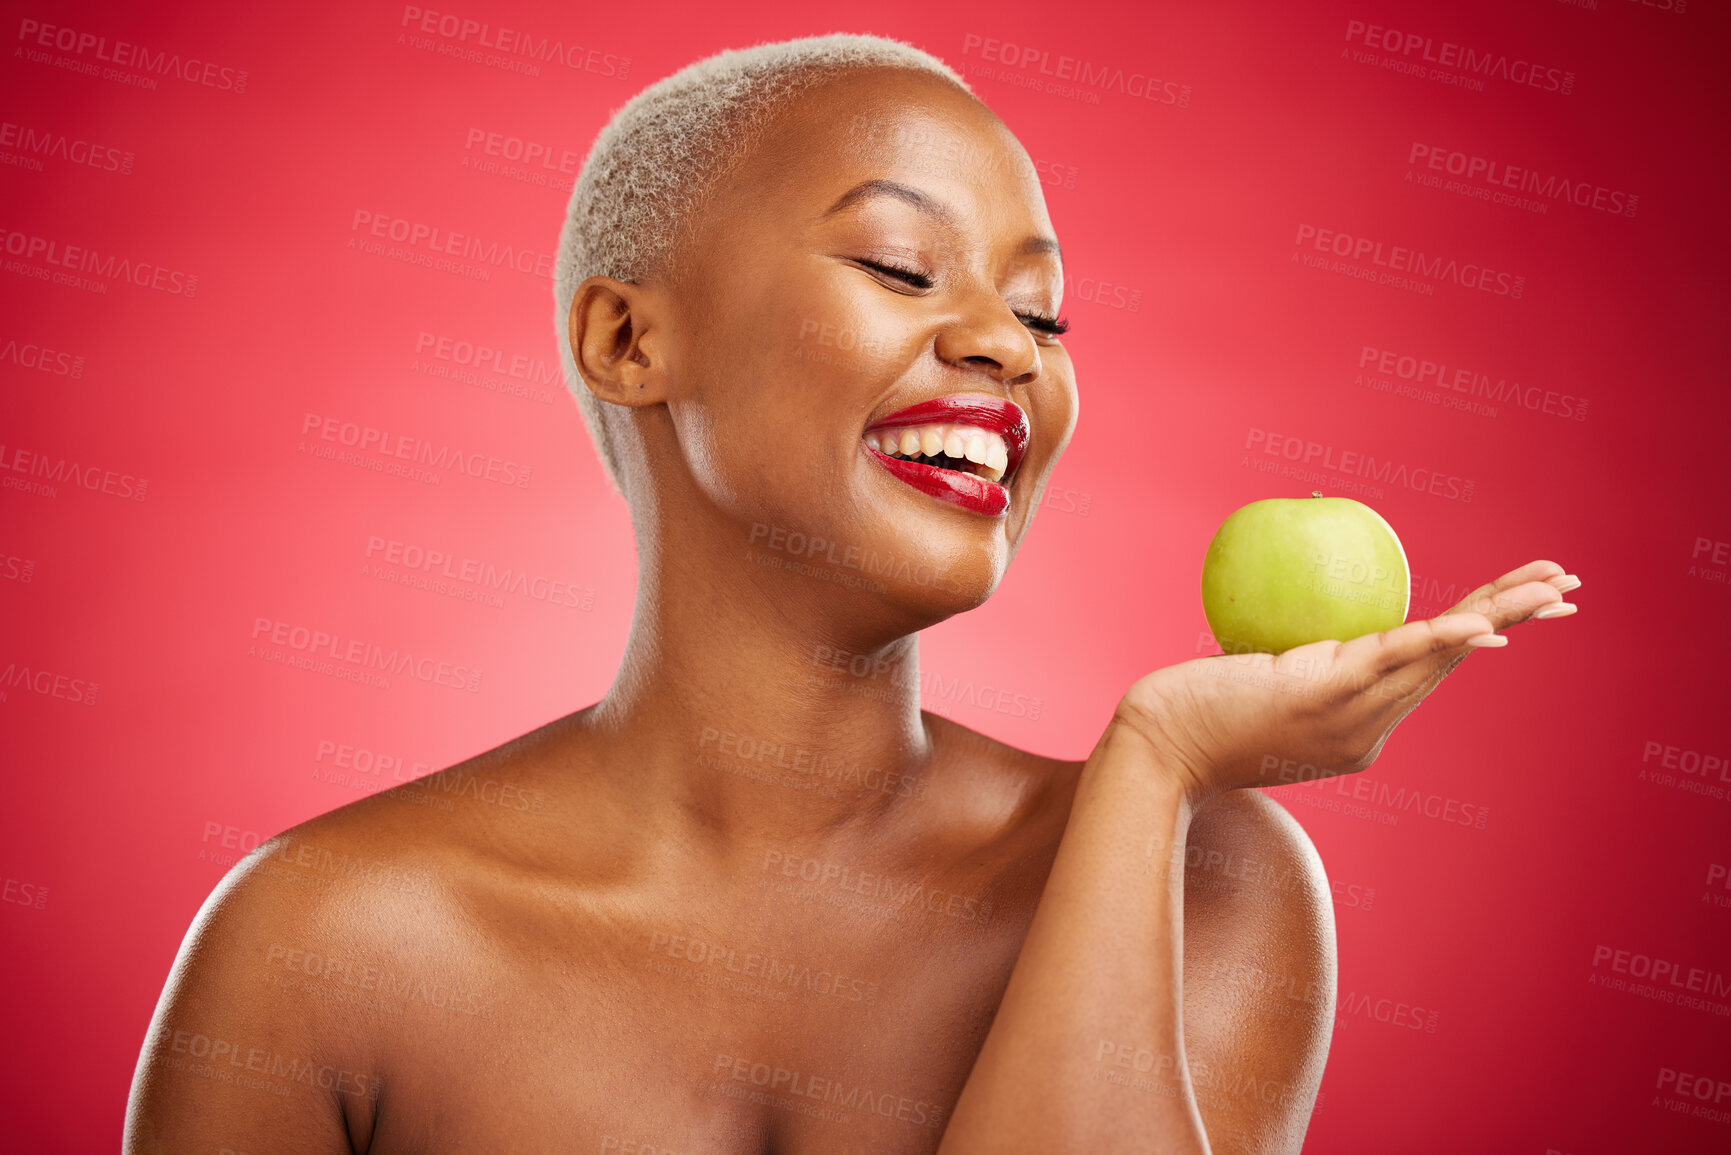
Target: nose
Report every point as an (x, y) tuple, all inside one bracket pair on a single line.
[(988, 336)]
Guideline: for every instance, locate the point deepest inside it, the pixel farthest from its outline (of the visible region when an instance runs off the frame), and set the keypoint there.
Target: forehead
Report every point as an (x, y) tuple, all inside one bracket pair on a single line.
[(899, 125)]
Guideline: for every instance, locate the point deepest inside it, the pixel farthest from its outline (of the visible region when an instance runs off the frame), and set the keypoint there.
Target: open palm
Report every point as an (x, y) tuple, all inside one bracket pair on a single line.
[(1228, 722)]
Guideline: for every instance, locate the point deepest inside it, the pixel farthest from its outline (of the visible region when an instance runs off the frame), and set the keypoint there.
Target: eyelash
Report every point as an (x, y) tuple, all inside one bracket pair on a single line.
[(1051, 326)]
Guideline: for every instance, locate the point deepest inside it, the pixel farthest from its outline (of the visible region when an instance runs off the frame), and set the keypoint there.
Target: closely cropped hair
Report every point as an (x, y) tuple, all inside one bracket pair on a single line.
[(656, 160)]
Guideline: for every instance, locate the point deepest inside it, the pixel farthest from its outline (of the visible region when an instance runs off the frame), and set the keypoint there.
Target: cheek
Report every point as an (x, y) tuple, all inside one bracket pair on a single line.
[(751, 445), (841, 319), (845, 333), (777, 394), (822, 366), (1056, 413), (855, 341)]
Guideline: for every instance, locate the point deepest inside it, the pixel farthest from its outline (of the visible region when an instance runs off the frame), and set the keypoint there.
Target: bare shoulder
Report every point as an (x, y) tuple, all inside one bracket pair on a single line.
[(1259, 972), (327, 950), (1245, 847), (237, 1052), (1259, 940)]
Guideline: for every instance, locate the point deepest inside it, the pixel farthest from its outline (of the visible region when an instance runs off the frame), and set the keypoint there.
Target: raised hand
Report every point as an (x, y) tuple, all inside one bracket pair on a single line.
[(1226, 722)]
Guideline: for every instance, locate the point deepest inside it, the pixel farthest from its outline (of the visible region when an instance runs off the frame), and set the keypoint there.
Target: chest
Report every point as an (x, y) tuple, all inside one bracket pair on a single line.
[(738, 1038)]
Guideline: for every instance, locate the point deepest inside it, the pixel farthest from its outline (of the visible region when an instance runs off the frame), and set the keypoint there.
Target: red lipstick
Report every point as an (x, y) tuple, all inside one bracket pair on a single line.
[(992, 414), (963, 489)]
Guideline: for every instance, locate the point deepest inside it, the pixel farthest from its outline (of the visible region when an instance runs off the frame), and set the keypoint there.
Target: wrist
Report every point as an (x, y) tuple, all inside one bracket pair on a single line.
[(1138, 742)]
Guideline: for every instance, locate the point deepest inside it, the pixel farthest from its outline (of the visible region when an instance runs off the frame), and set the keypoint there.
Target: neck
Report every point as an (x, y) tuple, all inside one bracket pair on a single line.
[(758, 703)]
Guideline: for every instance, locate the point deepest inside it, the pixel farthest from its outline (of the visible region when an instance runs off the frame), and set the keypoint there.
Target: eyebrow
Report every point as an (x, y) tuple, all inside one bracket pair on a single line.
[(931, 207)]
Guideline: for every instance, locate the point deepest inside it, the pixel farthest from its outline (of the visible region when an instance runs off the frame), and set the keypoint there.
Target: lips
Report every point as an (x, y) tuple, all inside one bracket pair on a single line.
[(963, 489), (993, 414), (964, 435)]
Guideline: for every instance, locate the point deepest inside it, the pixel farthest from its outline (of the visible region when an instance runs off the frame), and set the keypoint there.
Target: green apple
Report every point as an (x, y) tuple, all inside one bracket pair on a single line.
[(1288, 571)]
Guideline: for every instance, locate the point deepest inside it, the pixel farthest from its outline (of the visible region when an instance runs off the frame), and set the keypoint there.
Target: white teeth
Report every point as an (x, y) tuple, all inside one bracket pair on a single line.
[(985, 449), (997, 460)]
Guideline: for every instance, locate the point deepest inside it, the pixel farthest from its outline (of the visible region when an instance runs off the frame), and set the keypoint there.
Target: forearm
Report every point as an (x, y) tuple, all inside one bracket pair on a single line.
[(1086, 1051)]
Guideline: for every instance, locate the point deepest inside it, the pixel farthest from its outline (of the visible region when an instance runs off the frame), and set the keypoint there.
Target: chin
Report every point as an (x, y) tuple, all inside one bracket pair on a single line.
[(935, 567), (919, 558)]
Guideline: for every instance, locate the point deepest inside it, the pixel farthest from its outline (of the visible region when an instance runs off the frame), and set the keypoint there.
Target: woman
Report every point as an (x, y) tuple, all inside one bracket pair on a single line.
[(755, 899)]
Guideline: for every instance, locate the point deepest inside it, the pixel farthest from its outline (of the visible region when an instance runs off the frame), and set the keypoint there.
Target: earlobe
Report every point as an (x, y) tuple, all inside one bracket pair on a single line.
[(610, 326)]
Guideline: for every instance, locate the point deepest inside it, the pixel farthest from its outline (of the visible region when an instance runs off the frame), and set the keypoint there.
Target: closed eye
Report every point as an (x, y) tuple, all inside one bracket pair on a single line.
[(912, 276), (1051, 326)]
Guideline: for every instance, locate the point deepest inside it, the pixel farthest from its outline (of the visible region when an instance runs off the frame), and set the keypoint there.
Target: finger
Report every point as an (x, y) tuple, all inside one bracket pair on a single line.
[(1506, 602), (1380, 655), (1535, 571), (1515, 604), (1419, 654)]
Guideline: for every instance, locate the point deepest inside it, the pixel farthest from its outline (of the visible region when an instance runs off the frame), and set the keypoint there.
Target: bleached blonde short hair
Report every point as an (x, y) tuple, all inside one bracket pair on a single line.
[(656, 160)]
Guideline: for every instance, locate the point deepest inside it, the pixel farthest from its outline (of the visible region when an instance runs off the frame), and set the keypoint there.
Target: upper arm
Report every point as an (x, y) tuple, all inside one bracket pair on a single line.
[(1259, 973), (236, 1057)]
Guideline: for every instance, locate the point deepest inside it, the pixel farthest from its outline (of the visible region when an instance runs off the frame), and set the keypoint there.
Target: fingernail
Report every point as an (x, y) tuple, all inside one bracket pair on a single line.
[(1566, 582), (1491, 641), (1560, 610)]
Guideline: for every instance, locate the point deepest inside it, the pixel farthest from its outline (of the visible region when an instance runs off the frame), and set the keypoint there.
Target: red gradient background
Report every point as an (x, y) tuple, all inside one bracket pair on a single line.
[(1200, 338)]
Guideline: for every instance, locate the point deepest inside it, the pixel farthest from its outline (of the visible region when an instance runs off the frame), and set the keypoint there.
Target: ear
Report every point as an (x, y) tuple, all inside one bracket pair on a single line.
[(614, 342)]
